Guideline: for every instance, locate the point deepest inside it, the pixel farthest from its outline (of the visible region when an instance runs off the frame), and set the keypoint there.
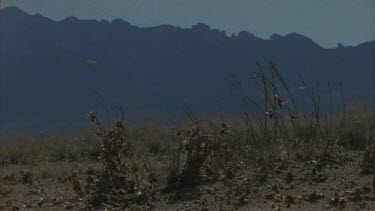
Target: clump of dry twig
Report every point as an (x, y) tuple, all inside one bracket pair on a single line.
[(200, 147), (111, 186)]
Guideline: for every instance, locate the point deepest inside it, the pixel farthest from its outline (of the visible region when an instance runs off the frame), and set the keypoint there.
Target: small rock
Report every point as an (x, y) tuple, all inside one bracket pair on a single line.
[(367, 189), (27, 206), (229, 174), (210, 190), (41, 202), (289, 177), (369, 198), (289, 199), (68, 206), (362, 205), (348, 192), (320, 177), (313, 196)]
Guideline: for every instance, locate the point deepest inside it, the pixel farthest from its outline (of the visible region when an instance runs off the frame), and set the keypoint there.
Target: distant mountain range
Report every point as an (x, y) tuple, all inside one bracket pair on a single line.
[(53, 73)]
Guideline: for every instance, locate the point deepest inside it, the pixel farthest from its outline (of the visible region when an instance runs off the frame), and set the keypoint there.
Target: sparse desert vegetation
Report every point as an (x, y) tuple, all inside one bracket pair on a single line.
[(274, 157)]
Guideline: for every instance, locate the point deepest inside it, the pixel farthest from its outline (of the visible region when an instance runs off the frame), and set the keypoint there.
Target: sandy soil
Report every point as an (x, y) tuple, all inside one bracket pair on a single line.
[(309, 185)]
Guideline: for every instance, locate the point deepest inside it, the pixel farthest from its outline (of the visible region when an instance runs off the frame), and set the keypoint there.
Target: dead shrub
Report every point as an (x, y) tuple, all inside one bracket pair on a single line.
[(368, 162), (199, 145), (111, 186)]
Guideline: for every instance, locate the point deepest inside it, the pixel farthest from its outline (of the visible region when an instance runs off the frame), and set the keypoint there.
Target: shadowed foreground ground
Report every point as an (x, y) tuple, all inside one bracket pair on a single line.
[(282, 185)]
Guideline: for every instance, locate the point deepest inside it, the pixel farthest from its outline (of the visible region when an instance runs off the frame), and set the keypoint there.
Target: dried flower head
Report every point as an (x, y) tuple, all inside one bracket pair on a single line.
[(291, 117), (99, 133), (269, 114), (178, 133), (92, 117), (224, 128), (280, 101), (195, 131), (120, 124), (223, 125)]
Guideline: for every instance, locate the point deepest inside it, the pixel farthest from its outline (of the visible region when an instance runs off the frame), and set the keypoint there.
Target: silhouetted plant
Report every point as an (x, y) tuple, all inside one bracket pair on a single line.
[(198, 146), (110, 186)]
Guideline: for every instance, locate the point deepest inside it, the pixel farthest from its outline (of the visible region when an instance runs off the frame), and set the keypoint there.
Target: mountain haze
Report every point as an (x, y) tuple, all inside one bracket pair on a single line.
[(53, 73)]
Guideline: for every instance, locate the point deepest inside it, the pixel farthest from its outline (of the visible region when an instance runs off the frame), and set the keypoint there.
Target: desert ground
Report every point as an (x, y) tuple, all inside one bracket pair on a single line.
[(66, 175)]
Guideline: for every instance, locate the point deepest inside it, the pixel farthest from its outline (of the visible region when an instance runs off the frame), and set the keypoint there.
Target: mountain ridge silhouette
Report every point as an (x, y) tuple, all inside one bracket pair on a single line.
[(47, 77)]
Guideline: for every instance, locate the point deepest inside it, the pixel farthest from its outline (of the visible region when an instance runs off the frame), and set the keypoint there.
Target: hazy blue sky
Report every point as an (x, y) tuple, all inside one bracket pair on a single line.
[(325, 21)]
